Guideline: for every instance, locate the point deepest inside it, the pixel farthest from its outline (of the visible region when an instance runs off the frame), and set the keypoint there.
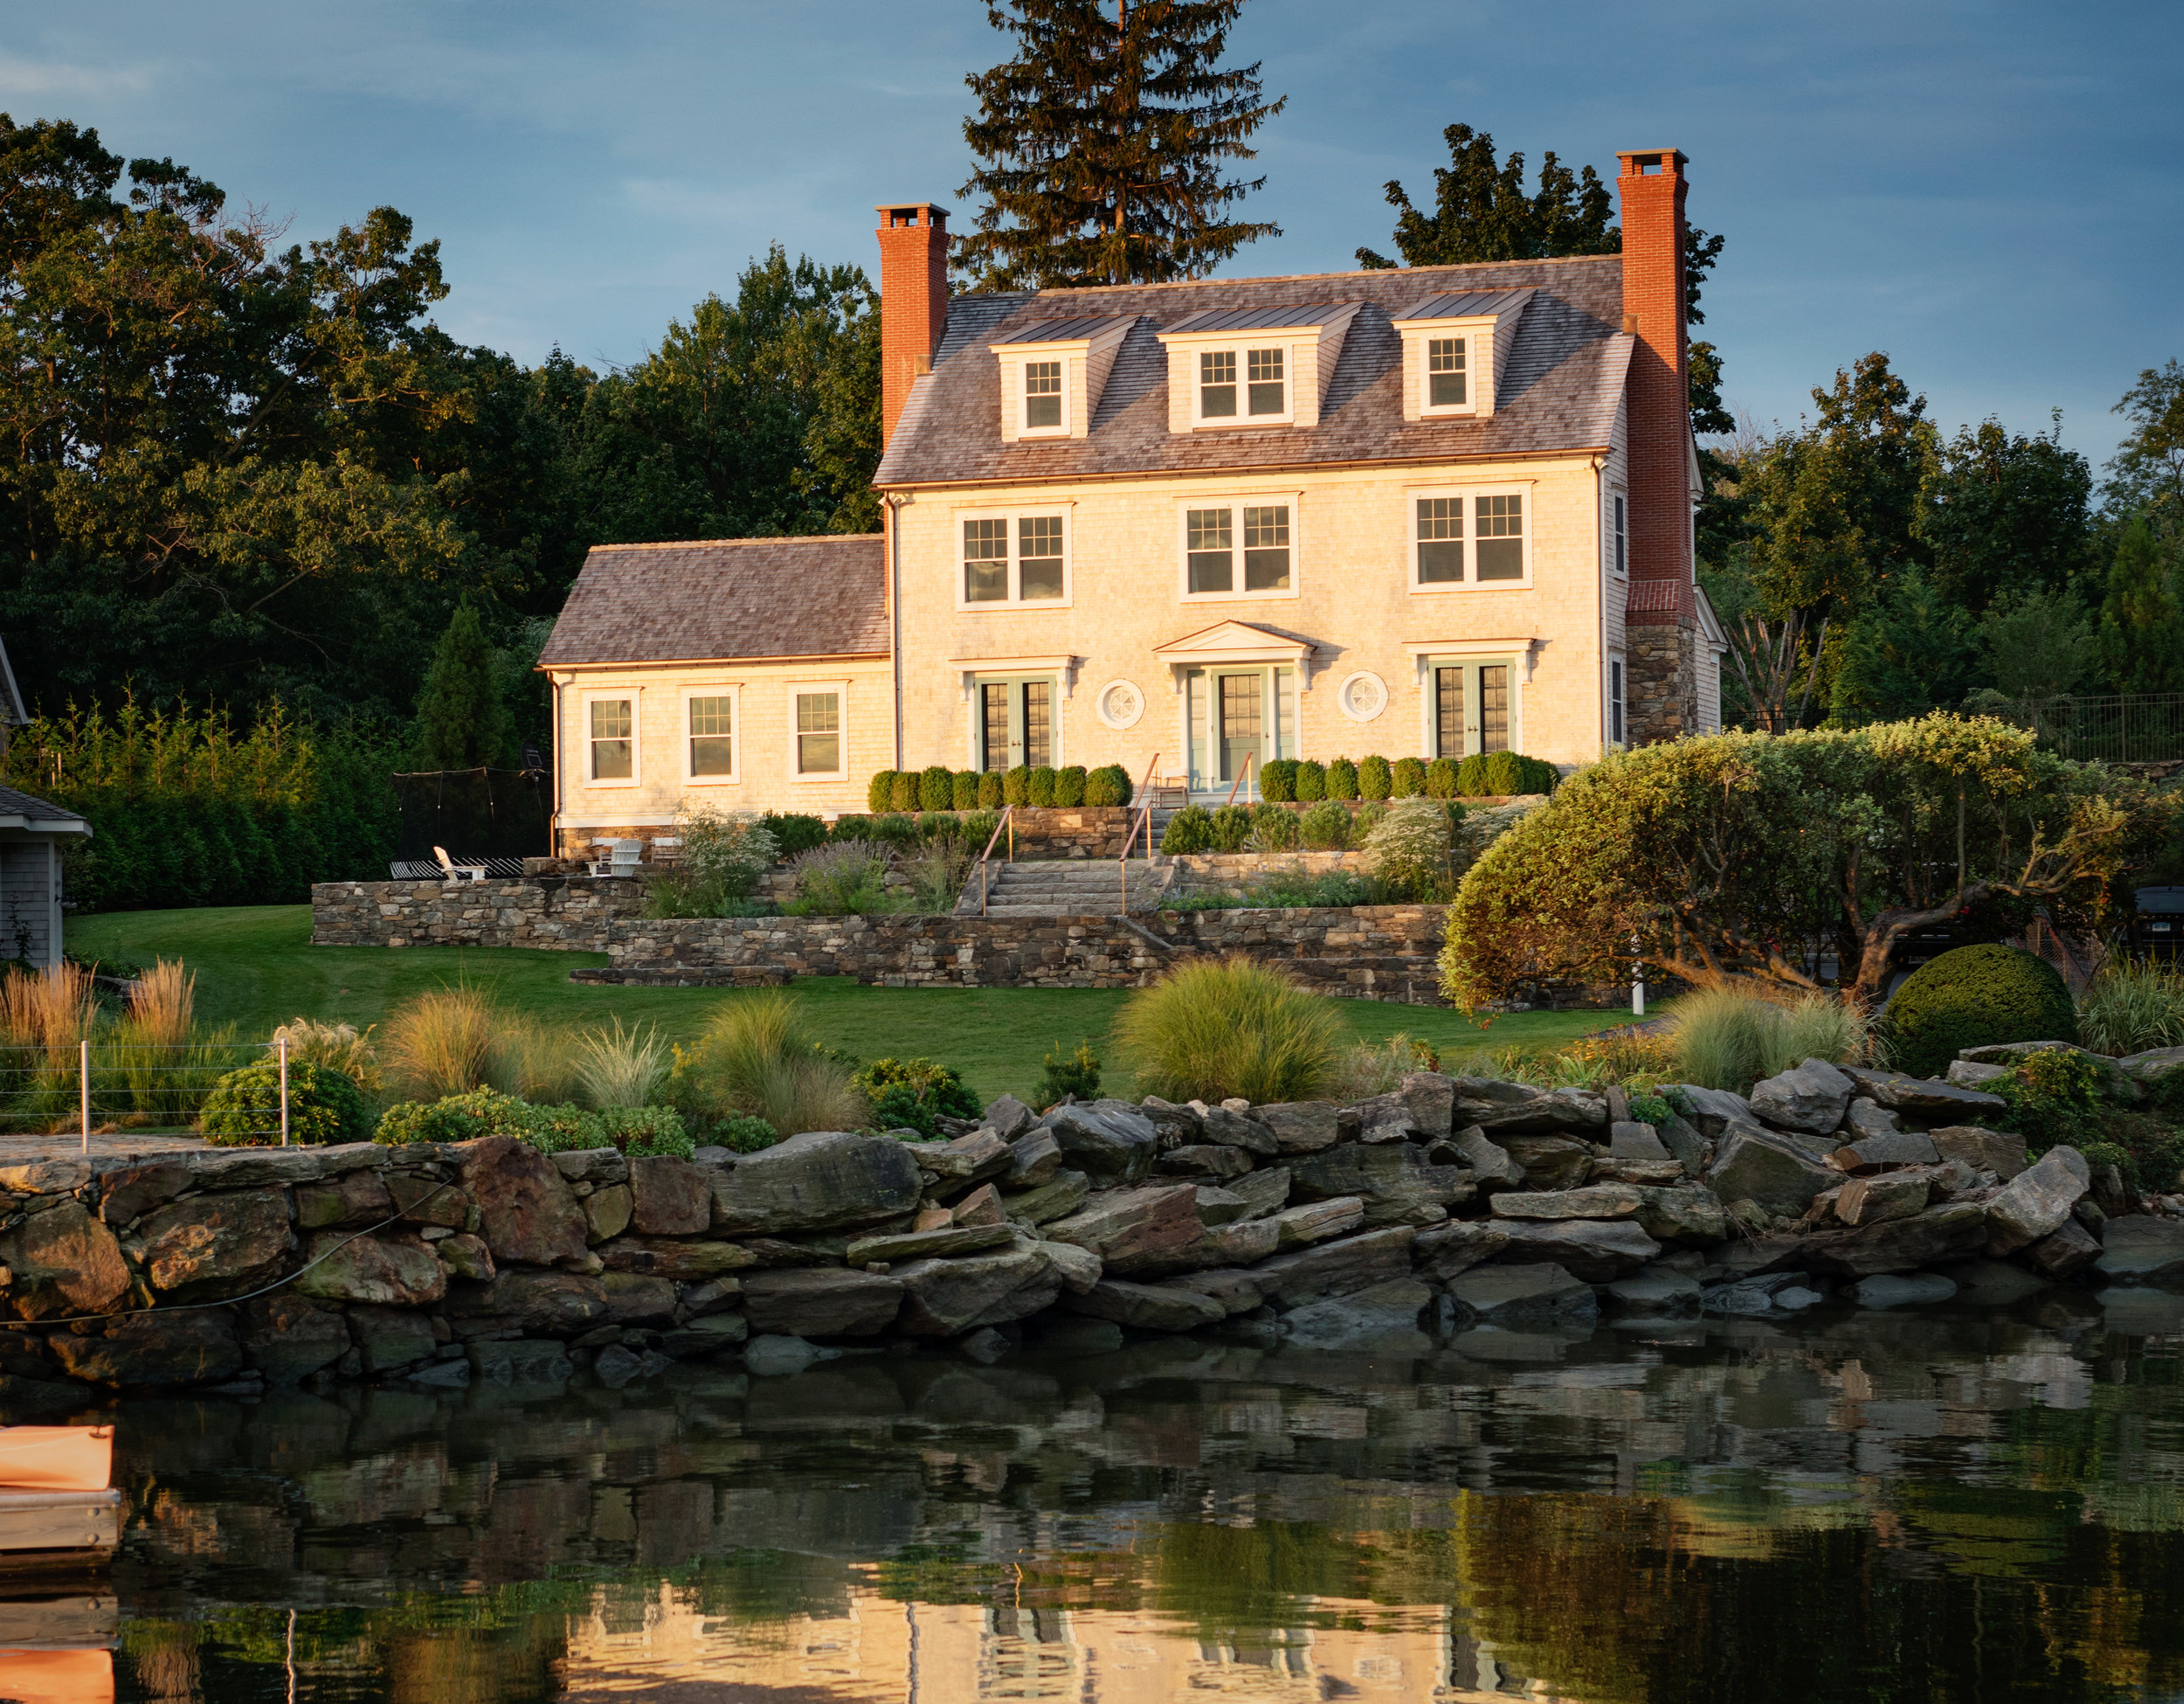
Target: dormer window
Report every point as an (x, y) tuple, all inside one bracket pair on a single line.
[(1256, 367), (1445, 377), (1454, 346), (1042, 396), (1217, 384), (1265, 390), (1267, 393)]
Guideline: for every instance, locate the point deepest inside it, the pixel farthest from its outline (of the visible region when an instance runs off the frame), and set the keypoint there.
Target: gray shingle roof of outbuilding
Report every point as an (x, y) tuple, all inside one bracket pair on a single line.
[(1558, 392)]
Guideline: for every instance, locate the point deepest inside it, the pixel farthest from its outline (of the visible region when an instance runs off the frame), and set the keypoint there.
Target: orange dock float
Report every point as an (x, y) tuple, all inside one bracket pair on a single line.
[(59, 1519)]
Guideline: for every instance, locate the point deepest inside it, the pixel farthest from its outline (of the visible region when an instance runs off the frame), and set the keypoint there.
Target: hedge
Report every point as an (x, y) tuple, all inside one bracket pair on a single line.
[(324, 1106)]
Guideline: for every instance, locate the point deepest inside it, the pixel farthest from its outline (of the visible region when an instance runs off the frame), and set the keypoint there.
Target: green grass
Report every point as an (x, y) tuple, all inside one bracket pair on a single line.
[(256, 967)]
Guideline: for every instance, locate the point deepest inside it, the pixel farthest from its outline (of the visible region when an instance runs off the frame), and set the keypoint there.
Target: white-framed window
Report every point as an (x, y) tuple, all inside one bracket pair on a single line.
[(1014, 558), (1243, 385), (1470, 538), (712, 735), (820, 750), (1444, 386), (1615, 735), (1472, 704), (1244, 547), (1014, 722), (1046, 409), (610, 737), (1618, 533)]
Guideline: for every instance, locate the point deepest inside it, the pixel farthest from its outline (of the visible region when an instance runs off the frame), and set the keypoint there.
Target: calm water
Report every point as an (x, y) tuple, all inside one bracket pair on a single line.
[(1859, 1506)]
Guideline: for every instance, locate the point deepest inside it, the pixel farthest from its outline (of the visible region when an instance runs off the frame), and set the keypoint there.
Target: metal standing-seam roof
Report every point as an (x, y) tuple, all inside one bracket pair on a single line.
[(1558, 392), (722, 599)]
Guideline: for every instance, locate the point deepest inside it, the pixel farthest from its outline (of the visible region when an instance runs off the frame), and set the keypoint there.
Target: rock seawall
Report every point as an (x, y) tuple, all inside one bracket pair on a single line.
[(1448, 1203)]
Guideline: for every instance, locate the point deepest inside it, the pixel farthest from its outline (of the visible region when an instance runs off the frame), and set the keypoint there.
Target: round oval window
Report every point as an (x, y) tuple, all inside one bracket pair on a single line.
[(1121, 703), (1363, 696)]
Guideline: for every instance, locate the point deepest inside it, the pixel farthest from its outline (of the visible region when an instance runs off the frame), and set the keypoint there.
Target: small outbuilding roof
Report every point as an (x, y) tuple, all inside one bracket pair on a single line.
[(26, 812), (721, 599)]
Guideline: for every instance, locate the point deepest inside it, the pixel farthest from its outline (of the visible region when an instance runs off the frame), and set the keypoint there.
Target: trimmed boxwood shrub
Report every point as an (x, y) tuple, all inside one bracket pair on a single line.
[(324, 1106), (1277, 780), (893, 829), (1232, 828), (1069, 785), (879, 791), (935, 789), (1312, 782), (1471, 777), (1975, 996), (1274, 828), (1375, 779), (1108, 785), (991, 790), (1406, 778), (1016, 786), (903, 795), (1342, 778), (1190, 829), (1039, 787), (794, 831), (1325, 827), (1442, 775), (964, 790)]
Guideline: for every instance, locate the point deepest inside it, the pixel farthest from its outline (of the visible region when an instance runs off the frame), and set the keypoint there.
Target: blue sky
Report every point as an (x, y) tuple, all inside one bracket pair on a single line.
[(1993, 193)]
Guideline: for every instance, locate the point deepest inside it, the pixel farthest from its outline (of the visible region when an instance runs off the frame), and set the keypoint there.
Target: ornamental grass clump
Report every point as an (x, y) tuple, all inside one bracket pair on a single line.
[(442, 1042), (337, 1046), (1725, 1040), (2132, 1007), (621, 1068), (1210, 1030), (758, 1058)]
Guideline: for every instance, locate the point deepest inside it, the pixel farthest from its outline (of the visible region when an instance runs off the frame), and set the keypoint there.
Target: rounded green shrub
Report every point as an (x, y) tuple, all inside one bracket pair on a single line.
[(1471, 777), (1342, 778), (1406, 778), (1975, 996), (990, 791), (1274, 828), (904, 795), (1038, 787), (1277, 780), (879, 791), (964, 792), (1312, 782), (1109, 784), (1231, 828), (935, 789), (1190, 829), (916, 1094), (793, 831), (1442, 776), (1325, 827), (1069, 785), (324, 1106), (1016, 786), (1375, 779)]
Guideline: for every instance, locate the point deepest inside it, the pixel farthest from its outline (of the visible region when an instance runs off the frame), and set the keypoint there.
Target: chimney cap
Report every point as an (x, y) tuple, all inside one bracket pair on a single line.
[(905, 214), (1636, 161)]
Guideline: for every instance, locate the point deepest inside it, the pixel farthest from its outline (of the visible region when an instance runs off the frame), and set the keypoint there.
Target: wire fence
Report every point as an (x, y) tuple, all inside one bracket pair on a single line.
[(84, 1088), (2139, 727)]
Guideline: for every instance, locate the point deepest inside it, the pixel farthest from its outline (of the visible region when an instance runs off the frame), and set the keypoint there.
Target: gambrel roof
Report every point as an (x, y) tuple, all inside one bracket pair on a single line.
[(1558, 392)]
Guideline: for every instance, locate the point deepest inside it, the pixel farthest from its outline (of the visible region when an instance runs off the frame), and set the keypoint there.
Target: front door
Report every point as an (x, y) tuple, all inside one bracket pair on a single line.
[(1242, 711)]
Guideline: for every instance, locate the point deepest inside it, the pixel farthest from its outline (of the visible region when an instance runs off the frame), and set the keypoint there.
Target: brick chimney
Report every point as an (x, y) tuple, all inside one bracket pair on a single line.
[(913, 300)]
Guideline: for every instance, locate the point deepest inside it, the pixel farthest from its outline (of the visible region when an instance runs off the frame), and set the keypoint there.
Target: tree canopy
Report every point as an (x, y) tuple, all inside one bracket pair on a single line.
[(1104, 144)]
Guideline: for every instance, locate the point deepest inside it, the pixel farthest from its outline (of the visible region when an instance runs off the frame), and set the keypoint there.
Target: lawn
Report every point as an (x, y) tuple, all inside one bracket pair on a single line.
[(256, 967)]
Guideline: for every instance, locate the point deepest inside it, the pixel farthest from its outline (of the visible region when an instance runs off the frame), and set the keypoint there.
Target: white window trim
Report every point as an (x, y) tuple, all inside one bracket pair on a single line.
[(1239, 419), (1100, 709), (1236, 505), (1612, 699), (1376, 689), (1450, 410), (733, 693), (1470, 582), (1617, 495), (1016, 600), (1057, 679), (635, 694), (1023, 427), (840, 688), (1470, 662)]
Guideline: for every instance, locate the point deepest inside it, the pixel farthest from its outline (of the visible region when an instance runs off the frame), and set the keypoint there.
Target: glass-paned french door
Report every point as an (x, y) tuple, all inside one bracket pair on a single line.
[(1016, 723), (1472, 708), (1235, 716)]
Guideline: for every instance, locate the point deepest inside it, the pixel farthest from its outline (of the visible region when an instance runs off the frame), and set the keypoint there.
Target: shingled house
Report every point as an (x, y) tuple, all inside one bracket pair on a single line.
[(1419, 512)]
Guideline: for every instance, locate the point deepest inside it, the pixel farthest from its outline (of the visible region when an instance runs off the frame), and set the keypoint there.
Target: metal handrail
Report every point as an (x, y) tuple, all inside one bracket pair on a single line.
[(1143, 814), (985, 858), (1241, 773)]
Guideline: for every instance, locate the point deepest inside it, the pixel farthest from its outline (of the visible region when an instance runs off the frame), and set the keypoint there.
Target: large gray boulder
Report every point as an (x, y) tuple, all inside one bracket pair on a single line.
[(1176, 1126), (533, 1304), (1383, 1118), (2139, 1249), (2154, 1065), (2065, 1252), (1594, 1201), (1491, 1162), (1555, 1109), (1149, 1307), (2037, 1200), (393, 1270), (1336, 1268), (214, 1239), (1964, 1074), (1810, 1099), (1750, 1164), (1689, 1213), (1595, 1250), (1870, 1201), (1922, 1097), (1079, 1269), (288, 1339), (1548, 1162), (1893, 1147), (1432, 1098), (1391, 1177), (1683, 1141), (1109, 1140), (1471, 1096), (1008, 1118), (1034, 1157), (1317, 1222), (815, 1182), (1714, 1109), (1057, 1198), (1263, 1192), (1630, 1139), (821, 1301), (1137, 1232), (1224, 1128), (1383, 1318), (947, 1298), (1940, 1236), (1205, 1160), (1534, 1295), (2002, 1152), (528, 1215), (971, 1158), (1441, 1253), (1301, 1126)]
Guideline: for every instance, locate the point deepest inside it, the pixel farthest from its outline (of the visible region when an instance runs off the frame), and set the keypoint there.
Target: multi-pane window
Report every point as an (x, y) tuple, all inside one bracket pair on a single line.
[(1448, 713), (1494, 707), (1016, 723), (1035, 574), (986, 562), (1618, 533), (819, 733), (1265, 393), (1217, 384), (613, 740), (1615, 700), (1210, 550), (1039, 556), (712, 735), (993, 706), (1498, 538), (1267, 549), (1038, 724), (1440, 540), (1447, 382), (1042, 395)]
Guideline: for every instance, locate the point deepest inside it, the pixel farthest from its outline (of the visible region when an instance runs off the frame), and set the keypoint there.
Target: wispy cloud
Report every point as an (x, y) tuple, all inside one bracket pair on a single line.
[(20, 77)]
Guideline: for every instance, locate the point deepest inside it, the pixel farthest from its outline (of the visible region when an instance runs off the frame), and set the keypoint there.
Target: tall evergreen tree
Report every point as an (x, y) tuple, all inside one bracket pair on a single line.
[(462, 722), (1103, 144)]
